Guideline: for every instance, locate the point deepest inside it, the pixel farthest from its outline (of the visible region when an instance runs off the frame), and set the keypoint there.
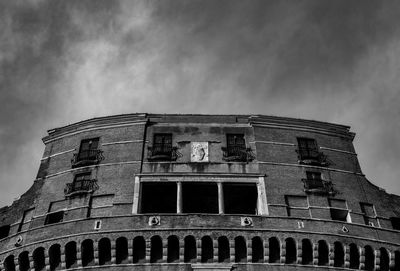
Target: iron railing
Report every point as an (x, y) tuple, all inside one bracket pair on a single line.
[(87, 157), (312, 157), (162, 152), (318, 186), (237, 154), (81, 186)]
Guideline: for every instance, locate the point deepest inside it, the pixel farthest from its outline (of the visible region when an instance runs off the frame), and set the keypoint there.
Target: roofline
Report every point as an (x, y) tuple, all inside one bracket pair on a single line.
[(254, 119)]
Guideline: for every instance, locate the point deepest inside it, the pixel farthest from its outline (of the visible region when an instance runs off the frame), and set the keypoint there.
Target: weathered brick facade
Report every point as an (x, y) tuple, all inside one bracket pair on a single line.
[(150, 191)]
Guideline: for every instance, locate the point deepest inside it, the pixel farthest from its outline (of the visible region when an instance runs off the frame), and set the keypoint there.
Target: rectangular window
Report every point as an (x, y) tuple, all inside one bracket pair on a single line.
[(297, 206), (314, 180), (162, 144), (28, 214), (395, 223), (4, 231), (200, 197), (369, 214), (53, 218), (339, 210), (158, 197), (308, 148), (240, 198), (88, 149)]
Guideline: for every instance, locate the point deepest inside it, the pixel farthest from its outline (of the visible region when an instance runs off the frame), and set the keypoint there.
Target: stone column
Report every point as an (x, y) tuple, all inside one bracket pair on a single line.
[(62, 252), (232, 250), (78, 255), (346, 256), (47, 260), (148, 250), (179, 198), (249, 251), (96, 252), (299, 252), (16, 262), (164, 250), (315, 254), (136, 194), (130, 251), (221, 207), (266, 250), (331, 255), (181, 250), (113, 252), (215, 250), (362, 258), (283, 252), (198, 245), (377, 254)]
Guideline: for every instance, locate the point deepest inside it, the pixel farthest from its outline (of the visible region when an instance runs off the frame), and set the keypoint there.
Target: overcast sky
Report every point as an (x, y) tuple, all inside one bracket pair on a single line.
[(66, 61)]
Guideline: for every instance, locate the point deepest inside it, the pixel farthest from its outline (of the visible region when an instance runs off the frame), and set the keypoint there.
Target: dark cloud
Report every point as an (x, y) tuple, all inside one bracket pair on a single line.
[(65, 61)]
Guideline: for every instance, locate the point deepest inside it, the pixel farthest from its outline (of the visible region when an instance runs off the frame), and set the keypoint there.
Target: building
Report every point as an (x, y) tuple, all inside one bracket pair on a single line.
[(191, 192)]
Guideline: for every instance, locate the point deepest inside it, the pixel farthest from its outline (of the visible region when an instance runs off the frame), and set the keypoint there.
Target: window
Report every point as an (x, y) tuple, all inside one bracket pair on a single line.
[(88, 154), (236, 150), (339, 210), (240, 198), (297, 206), (162, 148), (200, 197), (369, 214), (315, 184), (54, 217), (395, 223), (158, 197), (307, 148), (26, 218), (308, 152), (4, 231)]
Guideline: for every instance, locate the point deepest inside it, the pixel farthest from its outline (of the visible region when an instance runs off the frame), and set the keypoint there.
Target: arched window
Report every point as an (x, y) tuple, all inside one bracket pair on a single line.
[(274, 250), (23, 261), (156, 249), (240, 249), (139, 249), (307, 252), (104, 251), (189, 249), (384, 259), (339, 255), (207, 251), (70, 254), (9, 264), (39, 259), (369, 258), (55, 257), (257, 250), (323, 253), (121, 250), (87, 252), (223, 250), (173, 249), (354, 256), (291, 251)]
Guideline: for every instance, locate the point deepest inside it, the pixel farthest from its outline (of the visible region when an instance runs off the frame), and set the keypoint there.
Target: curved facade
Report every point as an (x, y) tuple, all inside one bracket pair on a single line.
[(188, 192)]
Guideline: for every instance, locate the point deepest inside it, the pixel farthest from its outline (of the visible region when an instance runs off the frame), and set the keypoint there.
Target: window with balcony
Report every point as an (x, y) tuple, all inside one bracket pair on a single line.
[(162, 149), (236, 150), (89, 153), (315, 184), (308, 152), (83, 183)]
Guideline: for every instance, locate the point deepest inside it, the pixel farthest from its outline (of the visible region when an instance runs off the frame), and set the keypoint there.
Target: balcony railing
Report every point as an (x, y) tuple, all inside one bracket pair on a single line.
[(312, 157), (87, 157), (318, 186), (237, 154), (81, 186), (162, 152)]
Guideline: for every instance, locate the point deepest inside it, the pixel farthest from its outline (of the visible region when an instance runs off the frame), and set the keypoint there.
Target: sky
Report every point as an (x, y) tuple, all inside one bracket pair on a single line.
[(67, 61)]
